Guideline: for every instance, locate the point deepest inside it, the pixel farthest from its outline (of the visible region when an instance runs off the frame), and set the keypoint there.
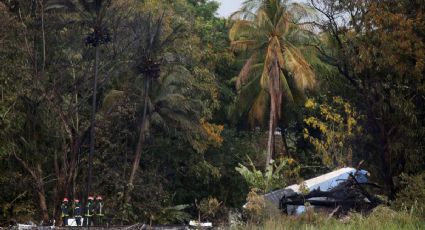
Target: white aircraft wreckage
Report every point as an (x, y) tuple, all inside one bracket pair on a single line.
[(341, 190)]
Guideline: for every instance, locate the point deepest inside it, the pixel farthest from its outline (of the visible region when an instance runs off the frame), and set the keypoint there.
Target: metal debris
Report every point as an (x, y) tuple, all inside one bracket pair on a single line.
[(339, 191)]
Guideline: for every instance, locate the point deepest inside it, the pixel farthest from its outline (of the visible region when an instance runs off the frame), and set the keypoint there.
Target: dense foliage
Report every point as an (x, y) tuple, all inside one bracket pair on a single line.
[(170, 112)]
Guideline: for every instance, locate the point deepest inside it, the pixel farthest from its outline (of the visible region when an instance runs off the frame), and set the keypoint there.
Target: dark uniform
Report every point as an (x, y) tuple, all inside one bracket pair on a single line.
[(78, 212), (65, 212), (98, 211), (89, 212)]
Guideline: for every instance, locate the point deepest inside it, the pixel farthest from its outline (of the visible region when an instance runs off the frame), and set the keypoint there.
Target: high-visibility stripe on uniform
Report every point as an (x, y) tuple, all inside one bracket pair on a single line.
[(88, 213)]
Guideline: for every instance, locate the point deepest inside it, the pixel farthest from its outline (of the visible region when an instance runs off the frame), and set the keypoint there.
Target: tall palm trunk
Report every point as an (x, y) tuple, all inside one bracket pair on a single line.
[(270, 142), (93, 121), (275, 92), (140, 142)]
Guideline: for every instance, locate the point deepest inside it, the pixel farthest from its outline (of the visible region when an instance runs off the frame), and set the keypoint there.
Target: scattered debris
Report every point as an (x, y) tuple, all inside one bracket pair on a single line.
[(197, 224), (26, 226)]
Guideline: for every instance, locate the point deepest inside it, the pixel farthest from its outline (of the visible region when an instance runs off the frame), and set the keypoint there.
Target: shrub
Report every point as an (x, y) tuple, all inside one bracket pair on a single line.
[(259, 209), (275, 176), (412, 197)]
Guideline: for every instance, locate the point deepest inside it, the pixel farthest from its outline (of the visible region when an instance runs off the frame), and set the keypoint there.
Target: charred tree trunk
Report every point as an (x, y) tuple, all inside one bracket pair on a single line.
[(140, 142), (93, 120)]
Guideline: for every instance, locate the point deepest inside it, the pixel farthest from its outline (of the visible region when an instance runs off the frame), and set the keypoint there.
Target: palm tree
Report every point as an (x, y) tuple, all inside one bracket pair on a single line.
[(276, 68), (93, 13), (149, 62)]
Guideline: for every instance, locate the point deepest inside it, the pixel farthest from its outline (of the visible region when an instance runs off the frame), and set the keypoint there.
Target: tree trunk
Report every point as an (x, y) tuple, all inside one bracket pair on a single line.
[(270, 142), (37, 176), (275, 91), (384, 157), (42, 196), (43, 205), (285, 149), (93, 121), (140, 143)]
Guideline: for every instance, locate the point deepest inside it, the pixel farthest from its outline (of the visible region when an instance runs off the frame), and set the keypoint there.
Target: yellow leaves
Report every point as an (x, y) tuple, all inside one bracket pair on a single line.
[(290, 161), (210, 135), (338, 100), (306, 133), (316, 123), (213, 132), (337, 123), (310, 104), (351, 122)]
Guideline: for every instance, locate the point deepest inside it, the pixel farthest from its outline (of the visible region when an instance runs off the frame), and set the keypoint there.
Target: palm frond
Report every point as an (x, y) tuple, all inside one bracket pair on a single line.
[(240, 29), (157, 120), (264, 21), (301, 71), (252, 5), (243, 45), (287, 91), (244, 73), (243, 102), (259, 108), (301, 12), (242, 14), (111, 99)]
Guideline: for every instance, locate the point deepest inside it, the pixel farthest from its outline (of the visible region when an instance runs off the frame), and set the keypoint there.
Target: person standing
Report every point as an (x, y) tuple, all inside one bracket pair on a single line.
[(98, 210), (89, 212), (65, 211), (77, 212)]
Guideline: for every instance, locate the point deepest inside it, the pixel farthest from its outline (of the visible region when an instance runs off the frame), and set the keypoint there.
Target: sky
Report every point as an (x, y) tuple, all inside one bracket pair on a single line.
[(228, 7)]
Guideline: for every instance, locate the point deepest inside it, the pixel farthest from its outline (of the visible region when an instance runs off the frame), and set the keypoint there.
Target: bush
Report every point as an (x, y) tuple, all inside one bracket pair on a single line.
[(412, 197), (259, 209)]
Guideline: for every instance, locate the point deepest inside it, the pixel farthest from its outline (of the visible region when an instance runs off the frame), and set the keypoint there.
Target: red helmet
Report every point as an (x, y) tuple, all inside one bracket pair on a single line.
[(77, 201), (65, 199), (98, 198), (90, 198)]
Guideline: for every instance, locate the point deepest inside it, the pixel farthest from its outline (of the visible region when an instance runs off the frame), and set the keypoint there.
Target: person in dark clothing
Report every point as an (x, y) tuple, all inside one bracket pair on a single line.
[(78, 212), (98, 211), (65, 212), (89, 212)]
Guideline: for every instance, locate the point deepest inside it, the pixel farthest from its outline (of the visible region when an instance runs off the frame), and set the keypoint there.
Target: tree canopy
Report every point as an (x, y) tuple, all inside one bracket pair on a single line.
[(172, 113)]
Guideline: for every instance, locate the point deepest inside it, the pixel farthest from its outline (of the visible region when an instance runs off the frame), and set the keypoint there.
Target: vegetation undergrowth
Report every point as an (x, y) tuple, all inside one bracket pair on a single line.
[(381, 218)]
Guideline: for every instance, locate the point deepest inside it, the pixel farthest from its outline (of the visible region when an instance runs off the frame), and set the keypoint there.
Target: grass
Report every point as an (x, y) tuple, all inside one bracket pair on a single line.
[(381, 218)]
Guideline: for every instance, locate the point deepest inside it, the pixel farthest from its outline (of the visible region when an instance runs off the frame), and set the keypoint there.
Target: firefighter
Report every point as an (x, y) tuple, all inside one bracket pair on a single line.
[(98, 210), (65, 211), (89, 212), (77, 212)]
